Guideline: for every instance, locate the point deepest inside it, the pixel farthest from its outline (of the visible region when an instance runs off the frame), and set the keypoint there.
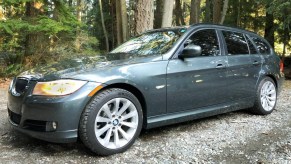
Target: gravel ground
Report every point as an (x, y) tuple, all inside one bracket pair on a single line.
[(236, 137)]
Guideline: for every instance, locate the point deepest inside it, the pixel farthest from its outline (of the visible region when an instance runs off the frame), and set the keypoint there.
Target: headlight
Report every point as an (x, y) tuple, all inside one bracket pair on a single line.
[(58, 87)]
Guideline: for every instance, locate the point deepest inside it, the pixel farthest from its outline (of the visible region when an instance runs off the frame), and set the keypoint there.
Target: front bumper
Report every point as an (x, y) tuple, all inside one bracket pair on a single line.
[(32, 114)]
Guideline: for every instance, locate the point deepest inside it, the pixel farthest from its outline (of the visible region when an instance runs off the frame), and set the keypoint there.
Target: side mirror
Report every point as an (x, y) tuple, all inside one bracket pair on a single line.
[(191, 51)]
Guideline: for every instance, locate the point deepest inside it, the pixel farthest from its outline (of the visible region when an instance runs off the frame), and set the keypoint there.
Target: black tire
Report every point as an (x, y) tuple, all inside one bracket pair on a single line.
[(258, 106), (96, 108)]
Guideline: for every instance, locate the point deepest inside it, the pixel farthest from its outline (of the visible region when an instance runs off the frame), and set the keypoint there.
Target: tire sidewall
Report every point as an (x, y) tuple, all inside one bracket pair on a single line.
[(104, 97)]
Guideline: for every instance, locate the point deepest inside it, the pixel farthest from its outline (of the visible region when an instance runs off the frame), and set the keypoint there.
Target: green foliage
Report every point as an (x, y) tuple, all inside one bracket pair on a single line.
[(10, 64), (53, 29)]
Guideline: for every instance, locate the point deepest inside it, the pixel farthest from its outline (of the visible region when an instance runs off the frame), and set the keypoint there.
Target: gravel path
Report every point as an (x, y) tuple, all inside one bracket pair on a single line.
[(236, 137)]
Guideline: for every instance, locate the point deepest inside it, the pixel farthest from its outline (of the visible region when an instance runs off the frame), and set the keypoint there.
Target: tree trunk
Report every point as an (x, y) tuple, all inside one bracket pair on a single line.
[(158, 13), (122, 23), (124, 20), (195, 11), (167, 13), (118, 22), (34, 41), (217, 5), (269, 28), (208, 11), (179, 18), (144, 16), (78, 31), (255, 21), (238, 20), (224, 10), (103, 26), (113, 24)]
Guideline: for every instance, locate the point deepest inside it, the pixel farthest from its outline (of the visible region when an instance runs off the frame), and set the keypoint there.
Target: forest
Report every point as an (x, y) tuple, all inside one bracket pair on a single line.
[(34, 32)]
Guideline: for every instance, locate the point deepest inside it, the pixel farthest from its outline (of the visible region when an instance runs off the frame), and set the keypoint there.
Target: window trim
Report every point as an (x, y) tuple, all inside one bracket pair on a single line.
[(181, 46), (264, 41), (225, 45)]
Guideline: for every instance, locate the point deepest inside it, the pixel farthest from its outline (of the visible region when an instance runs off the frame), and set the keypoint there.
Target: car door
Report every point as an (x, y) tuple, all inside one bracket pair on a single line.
[(241, 73), (197, 81)]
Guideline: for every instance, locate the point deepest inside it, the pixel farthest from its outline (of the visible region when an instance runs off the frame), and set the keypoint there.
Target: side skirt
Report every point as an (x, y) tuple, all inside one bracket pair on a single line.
[(172, 118)]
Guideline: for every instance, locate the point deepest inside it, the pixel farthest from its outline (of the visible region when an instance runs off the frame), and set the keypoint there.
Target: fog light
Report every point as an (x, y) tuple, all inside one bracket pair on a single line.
[(51, 126)]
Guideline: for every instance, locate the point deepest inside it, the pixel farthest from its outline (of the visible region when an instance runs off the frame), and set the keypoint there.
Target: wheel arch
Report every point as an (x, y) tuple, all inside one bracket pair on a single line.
[(273, 78), (136, 92)]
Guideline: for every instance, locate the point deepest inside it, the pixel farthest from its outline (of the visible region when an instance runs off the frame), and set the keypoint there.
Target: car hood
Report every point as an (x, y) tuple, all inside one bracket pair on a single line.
[(70, 68)]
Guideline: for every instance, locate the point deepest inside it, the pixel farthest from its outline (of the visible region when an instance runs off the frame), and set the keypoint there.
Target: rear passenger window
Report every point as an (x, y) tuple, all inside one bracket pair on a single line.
[(252, 48), (261, 45), (236, 43), (207, 40)]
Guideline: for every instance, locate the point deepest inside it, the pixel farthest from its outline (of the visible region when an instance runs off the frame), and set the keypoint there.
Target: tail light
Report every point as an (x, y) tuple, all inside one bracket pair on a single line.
[(281, 66)]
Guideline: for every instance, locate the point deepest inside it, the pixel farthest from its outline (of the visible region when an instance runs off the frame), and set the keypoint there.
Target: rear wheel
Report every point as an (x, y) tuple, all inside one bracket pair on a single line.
[(266, 97), (111, 122)]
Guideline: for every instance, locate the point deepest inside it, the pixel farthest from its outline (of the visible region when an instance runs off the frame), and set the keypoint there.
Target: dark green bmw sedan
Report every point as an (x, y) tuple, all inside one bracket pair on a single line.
[(160, 77)]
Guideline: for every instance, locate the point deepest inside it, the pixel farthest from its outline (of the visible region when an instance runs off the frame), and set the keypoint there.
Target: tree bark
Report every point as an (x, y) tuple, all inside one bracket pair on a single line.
[(238, 20), (118, 22), (224, 10), (208, 11), (158, 15), (122, 23), (217, 5), (144, 16), (195, 11), (103, 26), (269, 28), (78, 31), (179, 18), (167, 13), (34, 41)]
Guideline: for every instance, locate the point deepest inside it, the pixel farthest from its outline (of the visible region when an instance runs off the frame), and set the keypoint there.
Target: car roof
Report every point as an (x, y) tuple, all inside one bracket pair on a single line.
[(203, 25)]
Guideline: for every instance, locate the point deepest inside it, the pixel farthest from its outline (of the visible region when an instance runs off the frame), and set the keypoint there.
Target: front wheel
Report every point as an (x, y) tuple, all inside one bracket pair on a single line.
[(111, 122), (266, 97)]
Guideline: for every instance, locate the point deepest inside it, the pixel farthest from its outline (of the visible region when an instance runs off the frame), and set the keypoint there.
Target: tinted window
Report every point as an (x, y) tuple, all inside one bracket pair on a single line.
[(207, 40), (252, 48), (261, 45), (236, 43)]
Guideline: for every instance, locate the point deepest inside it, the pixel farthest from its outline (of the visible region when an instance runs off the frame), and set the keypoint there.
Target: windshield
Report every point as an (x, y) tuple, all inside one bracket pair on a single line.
[(151, 43)]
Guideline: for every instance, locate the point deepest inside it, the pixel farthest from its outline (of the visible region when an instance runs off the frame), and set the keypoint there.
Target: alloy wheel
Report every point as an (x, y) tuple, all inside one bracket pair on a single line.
[(268, 96), (116, 123)]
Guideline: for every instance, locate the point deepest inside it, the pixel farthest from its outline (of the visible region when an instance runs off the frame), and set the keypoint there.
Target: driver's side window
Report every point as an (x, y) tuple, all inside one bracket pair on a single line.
[(207, 40)]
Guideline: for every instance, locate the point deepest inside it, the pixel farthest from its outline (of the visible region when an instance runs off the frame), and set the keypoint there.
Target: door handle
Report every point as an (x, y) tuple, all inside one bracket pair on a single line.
[(220, 66), (256, 63)]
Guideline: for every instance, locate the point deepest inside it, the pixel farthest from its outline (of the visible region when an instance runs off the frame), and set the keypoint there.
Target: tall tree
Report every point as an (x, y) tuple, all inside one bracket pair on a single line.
[(158, 14), (121, 20), (167, 13), (79, 18), (224, 10), (34, 40), (217, 5), (144, 16), (179, 17), (103, 26), (208, 11), (269, 29), (195, 11)]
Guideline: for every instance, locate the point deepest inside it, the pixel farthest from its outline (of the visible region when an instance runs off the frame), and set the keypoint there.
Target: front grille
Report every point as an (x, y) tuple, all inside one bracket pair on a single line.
[(35, 125), (15, 118), (20, 85)]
